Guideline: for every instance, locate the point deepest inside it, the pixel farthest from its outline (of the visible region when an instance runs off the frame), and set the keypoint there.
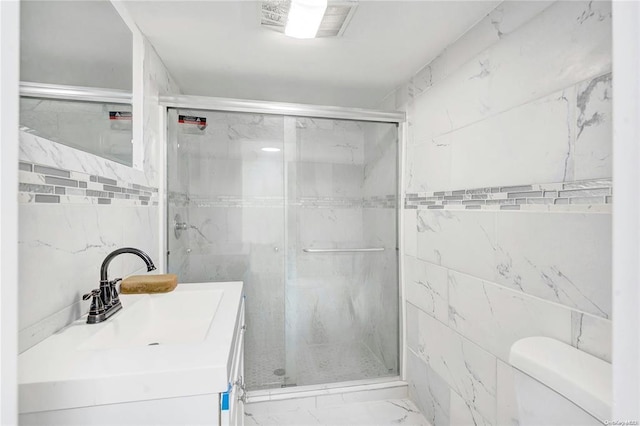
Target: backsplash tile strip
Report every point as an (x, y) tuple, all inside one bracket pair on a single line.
[(45, 170), (60, 181), (43, 184), (237, 201), (579, 194), (41, 198), (25, 167)]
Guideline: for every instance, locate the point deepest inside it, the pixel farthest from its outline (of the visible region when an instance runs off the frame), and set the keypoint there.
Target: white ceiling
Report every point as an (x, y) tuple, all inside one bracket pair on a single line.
[(217, 48)]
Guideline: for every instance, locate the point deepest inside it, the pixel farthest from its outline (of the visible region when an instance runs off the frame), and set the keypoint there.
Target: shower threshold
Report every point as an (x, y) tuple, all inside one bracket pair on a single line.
[(393, 386)]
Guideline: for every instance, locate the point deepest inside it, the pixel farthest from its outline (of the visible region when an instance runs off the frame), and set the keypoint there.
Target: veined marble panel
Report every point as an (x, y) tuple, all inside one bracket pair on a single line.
[(506, 18), (429, 391), (591, 334), (410, 232), (507, 402), (329, 180), (561, 257), (530, 143), (428, 166), (594, 128), (330, 141), (464, 241), (389, 411), (468, 369), (485, 85), (495, 317), (464, 414), (426, 287), (381, 159), (157, 81), (330, 228), (55, 241)]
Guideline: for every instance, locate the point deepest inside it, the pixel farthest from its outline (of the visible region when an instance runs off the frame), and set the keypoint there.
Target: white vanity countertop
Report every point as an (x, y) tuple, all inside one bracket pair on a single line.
[(73, 368)]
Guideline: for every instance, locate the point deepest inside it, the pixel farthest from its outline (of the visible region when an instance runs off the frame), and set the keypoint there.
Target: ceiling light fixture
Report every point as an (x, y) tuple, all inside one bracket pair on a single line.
[(305, 17), (269, 149)]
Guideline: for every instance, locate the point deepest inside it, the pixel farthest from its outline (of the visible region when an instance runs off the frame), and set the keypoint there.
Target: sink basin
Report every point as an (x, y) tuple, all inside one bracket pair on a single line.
[(158, 319), (158, 346)]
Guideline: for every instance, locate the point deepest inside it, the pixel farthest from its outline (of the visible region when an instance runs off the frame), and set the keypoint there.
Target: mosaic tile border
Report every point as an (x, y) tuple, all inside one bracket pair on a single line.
[(50, 185), (232, 201), (584, 193)]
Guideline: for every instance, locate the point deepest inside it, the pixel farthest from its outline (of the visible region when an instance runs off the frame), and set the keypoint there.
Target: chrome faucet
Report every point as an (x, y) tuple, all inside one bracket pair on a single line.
[(105, 300)]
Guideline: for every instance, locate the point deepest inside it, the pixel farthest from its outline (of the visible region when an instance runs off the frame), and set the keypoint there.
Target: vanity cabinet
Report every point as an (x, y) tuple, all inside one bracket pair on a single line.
[(232, 401), (191, 381)]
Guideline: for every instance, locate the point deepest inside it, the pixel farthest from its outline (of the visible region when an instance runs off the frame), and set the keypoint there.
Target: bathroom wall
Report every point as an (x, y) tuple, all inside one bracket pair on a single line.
[(75, 208), (507, 215)]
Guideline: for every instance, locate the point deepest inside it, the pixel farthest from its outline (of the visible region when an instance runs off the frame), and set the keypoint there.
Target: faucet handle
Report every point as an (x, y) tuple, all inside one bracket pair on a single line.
[(93, 293), (114, 291), (97, 307)]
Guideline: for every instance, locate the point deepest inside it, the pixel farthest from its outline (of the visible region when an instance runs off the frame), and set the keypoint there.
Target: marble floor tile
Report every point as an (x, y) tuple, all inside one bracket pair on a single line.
[(387, 412)]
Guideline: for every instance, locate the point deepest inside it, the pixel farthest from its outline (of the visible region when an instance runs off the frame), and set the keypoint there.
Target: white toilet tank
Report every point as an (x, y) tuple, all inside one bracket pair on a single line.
[(557, 384)]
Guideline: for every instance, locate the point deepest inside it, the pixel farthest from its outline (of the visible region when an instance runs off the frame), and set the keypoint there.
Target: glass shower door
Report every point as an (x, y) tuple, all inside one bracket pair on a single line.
[(303, 210), (226, 188), (342, 267)]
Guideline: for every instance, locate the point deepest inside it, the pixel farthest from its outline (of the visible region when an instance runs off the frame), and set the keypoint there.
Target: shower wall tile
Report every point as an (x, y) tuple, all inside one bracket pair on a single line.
[(522, 145), (506, 106), (410, 232), (566, 258), (591, 334), (430, 392), (330, 141), (379, 288), (594, 130), (428, 166), (330, 228), (329, 180), (464, 414), (469, 370), (156, 81), (496, 317), (380, 227), (507, 402), (426, 287), (320, 311), (381, 159), (464, 241), (506, 18), (485, 85)]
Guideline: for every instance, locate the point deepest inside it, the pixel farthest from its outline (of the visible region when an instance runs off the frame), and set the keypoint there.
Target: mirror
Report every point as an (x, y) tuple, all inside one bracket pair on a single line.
[(77, 43)]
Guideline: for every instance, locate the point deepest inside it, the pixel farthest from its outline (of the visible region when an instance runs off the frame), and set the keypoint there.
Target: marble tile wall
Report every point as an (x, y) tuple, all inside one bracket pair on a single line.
[(74, 210), (62, 244), (507, 218)]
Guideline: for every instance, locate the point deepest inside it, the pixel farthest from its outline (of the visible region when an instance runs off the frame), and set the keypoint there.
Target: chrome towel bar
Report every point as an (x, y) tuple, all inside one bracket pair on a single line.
[(345, 250)]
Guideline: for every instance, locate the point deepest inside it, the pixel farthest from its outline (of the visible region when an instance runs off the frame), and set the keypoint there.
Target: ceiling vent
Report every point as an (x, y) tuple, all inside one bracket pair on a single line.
[(335, 20)]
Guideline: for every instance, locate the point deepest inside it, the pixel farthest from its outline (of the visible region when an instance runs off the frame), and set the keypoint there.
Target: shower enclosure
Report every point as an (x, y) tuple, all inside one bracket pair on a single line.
[(304, 211)]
